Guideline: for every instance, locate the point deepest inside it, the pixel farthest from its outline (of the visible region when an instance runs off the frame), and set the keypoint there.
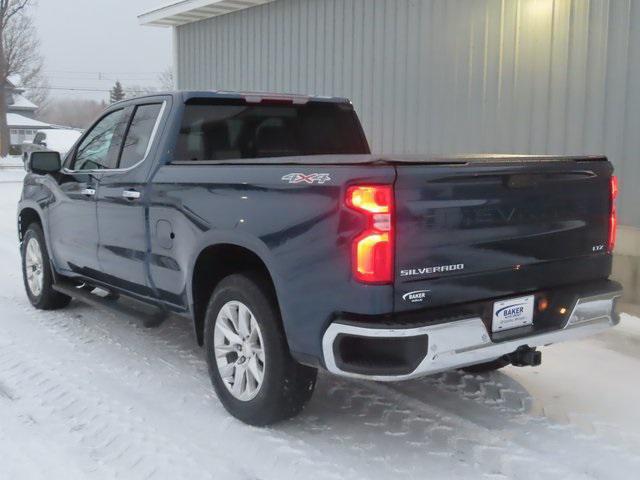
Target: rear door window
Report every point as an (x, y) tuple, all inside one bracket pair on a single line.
[(215, 131), (138, 137)]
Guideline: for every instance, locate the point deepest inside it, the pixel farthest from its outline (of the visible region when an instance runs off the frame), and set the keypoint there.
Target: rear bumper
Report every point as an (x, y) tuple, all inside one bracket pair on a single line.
[(429, 349)]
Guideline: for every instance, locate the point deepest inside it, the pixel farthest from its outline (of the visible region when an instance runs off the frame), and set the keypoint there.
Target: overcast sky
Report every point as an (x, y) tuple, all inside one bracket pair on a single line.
[(91, 43)]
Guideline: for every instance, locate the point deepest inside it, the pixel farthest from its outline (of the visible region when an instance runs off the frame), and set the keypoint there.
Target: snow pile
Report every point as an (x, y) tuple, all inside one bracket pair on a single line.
[(11, 161)]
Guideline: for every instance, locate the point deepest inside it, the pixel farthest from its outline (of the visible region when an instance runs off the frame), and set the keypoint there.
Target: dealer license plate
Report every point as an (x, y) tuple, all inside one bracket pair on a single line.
[(512, 313)]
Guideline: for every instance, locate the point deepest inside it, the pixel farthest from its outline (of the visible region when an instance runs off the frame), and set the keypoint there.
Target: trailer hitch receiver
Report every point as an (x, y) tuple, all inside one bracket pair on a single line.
[(525, 357)]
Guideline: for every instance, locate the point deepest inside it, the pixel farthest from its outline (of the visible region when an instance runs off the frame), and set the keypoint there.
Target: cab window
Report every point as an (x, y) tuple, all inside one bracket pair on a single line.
[(139, 134), (99, 149), (214, 129)]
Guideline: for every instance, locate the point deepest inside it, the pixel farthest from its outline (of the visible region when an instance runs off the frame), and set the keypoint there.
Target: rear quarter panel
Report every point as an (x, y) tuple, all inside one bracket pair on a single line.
[(302, 232)]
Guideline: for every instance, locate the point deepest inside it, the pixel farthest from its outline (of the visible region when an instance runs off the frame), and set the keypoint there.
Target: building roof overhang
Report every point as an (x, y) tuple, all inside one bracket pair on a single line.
[(15, 120), (189, 11)]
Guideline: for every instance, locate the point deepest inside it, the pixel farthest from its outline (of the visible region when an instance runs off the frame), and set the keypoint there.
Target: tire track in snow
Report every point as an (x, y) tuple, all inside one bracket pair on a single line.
[(562, 444), (107, 351), (119, 442), (102, 342), (382, 417)]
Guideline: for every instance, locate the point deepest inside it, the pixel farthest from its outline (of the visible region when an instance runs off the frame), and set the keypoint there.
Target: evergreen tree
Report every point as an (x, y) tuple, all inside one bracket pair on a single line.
[(117, 92)]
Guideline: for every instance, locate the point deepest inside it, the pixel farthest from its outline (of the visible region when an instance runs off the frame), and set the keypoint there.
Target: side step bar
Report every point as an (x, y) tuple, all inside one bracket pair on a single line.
[(129, 308)]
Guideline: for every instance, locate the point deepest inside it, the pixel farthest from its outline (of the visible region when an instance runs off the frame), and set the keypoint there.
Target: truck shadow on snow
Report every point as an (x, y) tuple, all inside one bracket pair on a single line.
[(487, 400), (473, 397), (490, 400)]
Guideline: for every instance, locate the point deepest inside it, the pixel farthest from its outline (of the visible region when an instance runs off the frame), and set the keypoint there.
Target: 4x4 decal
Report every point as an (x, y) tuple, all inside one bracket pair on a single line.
[(307, 178)]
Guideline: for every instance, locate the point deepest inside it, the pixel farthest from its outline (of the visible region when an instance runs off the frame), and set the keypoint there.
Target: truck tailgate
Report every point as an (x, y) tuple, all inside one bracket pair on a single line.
[(485, 229)]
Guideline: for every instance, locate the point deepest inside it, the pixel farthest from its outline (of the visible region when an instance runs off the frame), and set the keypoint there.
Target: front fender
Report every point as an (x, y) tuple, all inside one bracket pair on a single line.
[(37, 195)]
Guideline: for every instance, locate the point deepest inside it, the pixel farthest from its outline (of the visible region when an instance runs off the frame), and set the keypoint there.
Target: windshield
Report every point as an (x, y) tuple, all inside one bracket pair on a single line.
[(214, 131)]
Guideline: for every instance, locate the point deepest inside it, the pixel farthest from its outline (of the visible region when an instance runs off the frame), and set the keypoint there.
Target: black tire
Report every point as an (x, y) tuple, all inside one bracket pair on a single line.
[(286, 385), (496, 364), (47, 298)]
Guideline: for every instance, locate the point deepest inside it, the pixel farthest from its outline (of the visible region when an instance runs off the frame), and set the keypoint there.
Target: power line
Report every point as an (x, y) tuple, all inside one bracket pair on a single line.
[(102, 72), (87, 89), (101, 79)]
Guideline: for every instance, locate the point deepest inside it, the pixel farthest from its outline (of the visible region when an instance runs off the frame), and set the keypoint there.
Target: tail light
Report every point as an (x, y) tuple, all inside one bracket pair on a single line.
[(372, 251), (613, 214)]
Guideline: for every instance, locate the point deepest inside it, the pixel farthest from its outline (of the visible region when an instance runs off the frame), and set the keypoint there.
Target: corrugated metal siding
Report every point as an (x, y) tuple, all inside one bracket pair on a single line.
[(446, 76)]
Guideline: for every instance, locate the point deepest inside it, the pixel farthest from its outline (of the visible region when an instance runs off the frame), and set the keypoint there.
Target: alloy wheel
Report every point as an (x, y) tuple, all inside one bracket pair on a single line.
[(239, 350), (34, 267)]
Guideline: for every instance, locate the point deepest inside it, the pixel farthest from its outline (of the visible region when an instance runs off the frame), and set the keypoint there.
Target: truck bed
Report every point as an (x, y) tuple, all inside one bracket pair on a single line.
[(394, 159)]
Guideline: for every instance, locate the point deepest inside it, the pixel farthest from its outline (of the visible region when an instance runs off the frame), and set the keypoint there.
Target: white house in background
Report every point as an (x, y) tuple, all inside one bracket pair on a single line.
[(20, 114)]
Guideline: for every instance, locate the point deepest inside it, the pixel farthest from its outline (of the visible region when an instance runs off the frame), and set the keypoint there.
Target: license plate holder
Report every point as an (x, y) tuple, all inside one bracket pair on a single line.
[(512, 313)]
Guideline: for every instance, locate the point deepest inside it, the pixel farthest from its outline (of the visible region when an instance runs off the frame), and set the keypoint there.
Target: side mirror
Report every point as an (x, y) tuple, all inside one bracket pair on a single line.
[(44, 162)]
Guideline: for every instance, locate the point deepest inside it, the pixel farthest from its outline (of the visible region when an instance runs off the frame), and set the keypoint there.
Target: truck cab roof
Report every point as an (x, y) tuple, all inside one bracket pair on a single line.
[(185, 96)]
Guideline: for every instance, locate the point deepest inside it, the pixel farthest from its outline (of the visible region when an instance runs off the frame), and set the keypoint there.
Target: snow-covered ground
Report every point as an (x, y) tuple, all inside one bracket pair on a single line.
[(84, 394), (11, 161)]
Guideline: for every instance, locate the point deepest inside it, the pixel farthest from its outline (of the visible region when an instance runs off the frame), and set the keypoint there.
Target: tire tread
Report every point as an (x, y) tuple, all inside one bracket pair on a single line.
[(290, 385)]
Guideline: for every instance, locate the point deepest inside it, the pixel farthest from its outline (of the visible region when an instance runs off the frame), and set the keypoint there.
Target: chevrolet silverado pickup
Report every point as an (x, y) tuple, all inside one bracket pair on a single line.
[(266, 221)]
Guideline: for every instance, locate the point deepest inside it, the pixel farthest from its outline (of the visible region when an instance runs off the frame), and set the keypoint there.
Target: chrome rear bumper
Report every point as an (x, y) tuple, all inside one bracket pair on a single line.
[(467, 342)]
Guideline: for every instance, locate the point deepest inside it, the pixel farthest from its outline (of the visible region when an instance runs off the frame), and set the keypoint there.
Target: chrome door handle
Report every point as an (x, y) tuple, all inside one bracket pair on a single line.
[(89, 192), (131, 194)]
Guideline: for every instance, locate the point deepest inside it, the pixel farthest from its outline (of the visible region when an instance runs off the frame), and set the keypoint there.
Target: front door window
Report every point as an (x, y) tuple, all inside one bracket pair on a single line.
[(99, 149)]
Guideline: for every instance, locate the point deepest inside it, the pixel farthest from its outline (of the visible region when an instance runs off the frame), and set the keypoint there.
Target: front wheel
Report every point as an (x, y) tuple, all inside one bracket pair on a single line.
[(36, 272), (250, 366)]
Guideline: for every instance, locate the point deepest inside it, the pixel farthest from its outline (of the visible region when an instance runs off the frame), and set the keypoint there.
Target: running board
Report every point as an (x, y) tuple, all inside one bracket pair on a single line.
[(128, 308)]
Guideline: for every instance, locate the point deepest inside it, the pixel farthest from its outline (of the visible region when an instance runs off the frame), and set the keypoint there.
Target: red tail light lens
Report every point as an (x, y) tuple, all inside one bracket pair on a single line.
[(613, 214), (372, 250)]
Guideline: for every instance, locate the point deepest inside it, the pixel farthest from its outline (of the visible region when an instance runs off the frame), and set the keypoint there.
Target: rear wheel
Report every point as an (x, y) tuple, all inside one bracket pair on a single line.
[(36, 272), (250, 366)]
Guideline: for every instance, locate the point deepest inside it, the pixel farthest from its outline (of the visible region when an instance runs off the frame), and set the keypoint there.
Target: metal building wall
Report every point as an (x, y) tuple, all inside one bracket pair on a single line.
[(446, 76)]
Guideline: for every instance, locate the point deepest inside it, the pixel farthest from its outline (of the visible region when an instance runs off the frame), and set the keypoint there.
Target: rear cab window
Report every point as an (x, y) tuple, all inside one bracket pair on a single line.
[(139, 132), (218, 129)]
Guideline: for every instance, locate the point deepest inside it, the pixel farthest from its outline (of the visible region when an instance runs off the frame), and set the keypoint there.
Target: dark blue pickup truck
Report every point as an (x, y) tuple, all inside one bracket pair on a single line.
[(266, 221)]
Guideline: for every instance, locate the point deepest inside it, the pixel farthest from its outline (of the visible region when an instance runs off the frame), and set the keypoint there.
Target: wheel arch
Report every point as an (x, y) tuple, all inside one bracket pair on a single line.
[(215, 262), (26, 217)]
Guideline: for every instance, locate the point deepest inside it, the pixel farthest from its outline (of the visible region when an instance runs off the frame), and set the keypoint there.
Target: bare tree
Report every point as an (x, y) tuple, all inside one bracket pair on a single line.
[(165, 84), (133, 91), (18, 50), (166, 80), (37, 90), (72, 112)]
